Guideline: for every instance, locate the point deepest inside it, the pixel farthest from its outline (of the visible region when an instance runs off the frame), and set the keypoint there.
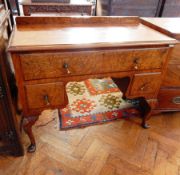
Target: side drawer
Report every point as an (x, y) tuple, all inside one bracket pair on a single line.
[(146, 85), (169, 99), (45, 95), (50, 65)]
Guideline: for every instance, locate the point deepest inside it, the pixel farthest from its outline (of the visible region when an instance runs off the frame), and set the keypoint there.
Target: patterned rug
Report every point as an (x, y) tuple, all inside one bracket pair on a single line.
[(93, 101)]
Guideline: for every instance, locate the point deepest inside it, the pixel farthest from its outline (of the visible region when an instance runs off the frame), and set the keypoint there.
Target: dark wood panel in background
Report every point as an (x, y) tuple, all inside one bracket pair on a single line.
[(146, 8), (134, 7), (9, 127), (171, 8), (127, 8)]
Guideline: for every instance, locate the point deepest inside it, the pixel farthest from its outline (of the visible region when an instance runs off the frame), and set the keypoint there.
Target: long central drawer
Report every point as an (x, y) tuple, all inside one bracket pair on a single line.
[(51, 65)]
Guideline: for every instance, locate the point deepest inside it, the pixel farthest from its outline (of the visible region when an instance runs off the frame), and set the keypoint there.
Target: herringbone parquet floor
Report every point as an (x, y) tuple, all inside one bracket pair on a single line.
[(117, 148)]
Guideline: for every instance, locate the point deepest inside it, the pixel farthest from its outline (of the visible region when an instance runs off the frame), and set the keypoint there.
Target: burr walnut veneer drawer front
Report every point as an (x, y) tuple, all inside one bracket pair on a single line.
[(146, 84), (50, 65), (45, 95)]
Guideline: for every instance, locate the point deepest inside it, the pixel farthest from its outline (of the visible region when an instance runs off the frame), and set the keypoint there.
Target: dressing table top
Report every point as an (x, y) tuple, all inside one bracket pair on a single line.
[(52, 33), (169, 26)]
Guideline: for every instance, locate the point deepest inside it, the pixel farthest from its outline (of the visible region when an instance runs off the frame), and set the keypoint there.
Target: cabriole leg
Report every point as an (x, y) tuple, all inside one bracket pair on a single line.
[(28, 122), (145, 110)]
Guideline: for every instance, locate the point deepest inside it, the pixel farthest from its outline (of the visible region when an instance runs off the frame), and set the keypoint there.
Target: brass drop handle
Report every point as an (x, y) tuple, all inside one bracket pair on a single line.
[(136, 67), (66, 66), (136, 63), (143, 86), (176, 100), (46, 99)]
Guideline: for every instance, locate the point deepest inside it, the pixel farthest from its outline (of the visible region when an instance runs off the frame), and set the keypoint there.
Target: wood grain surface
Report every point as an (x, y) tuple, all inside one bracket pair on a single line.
[(37, 33), (169, 99), (116, 148), (170, 26), (146, 84), (45, 95), (49, 65)]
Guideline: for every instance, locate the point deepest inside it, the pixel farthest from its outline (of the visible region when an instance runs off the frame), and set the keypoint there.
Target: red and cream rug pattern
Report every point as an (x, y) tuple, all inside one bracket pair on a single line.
[(93, 101)]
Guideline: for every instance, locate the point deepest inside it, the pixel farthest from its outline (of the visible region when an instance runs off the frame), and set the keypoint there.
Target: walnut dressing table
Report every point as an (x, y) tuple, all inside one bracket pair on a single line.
[(48, 52)]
